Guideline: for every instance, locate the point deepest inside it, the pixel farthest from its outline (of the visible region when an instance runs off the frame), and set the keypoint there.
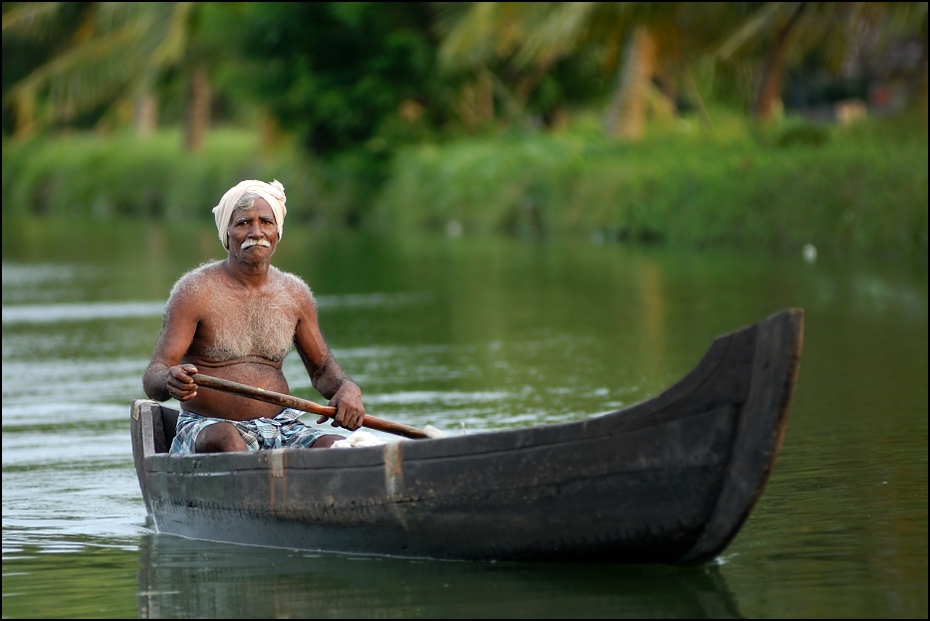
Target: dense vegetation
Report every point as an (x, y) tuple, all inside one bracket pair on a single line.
[(696, 124), (847, 189)]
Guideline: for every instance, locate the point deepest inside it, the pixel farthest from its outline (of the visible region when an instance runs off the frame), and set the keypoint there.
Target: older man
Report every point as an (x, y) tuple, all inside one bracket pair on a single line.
[(237, 319)]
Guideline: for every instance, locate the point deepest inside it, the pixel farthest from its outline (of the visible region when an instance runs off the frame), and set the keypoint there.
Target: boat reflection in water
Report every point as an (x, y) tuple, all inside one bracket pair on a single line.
[(190, 578)]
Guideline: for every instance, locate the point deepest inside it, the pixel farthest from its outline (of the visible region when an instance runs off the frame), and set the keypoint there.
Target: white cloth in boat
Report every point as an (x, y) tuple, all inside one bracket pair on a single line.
[(357, 438)]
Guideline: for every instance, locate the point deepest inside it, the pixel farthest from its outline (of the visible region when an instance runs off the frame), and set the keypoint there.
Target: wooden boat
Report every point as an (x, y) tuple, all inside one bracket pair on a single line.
[(669, 480)]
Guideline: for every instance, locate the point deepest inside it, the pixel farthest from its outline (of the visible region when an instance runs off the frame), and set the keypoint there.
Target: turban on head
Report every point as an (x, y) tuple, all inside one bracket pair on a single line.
[(272, 192)]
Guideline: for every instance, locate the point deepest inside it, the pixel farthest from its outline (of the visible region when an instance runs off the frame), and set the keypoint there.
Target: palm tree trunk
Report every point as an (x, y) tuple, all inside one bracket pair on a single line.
[(198, 108), (485, 92), (146, 117), (626, 115), (770, 83)]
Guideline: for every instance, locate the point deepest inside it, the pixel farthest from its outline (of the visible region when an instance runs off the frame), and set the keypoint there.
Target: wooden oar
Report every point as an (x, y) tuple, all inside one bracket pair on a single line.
[(290, 401)]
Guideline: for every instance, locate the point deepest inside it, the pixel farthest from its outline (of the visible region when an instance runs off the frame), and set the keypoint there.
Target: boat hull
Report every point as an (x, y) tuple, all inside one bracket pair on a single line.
[(668, 480)]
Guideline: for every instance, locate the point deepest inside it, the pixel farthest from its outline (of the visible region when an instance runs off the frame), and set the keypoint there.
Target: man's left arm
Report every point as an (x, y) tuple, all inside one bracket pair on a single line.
[(326, 375), (342, 391)]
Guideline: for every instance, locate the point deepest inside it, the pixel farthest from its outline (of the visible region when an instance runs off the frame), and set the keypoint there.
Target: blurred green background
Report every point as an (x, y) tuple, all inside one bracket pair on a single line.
[(760, 125)]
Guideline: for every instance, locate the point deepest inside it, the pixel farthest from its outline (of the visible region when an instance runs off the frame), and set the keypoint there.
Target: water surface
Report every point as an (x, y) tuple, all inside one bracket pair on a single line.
[(467, 335)]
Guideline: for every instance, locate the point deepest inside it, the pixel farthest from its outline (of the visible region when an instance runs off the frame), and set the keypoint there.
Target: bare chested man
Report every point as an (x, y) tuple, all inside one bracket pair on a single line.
[(237, 319)]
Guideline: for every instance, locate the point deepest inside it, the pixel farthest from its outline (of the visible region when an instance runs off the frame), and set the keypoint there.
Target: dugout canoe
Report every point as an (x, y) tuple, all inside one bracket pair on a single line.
[(669, 480)]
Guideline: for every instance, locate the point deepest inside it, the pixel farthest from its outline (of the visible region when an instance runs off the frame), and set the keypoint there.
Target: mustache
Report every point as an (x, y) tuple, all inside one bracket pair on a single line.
[(255, 242)]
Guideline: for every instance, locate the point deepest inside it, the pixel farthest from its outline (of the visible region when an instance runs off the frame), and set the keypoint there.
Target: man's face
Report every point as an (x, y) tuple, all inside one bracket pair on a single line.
[(253, 233)]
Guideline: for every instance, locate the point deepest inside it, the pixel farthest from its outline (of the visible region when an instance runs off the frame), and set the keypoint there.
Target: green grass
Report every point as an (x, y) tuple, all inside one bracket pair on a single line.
[(858, 189), (93, 176)]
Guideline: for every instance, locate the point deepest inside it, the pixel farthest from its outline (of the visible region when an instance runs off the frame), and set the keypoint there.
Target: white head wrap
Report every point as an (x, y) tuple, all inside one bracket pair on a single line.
[(272, 192)]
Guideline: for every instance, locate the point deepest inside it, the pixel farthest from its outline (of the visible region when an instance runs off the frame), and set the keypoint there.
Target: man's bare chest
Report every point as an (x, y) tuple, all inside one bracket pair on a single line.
[(248, 325)]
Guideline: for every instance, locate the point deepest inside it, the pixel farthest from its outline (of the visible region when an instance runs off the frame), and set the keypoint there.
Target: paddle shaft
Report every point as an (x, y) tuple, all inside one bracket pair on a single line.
[(305, 405)]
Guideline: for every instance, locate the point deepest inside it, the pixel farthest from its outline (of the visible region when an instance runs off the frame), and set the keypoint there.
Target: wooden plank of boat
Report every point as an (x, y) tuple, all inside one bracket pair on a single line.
[(669, 480)]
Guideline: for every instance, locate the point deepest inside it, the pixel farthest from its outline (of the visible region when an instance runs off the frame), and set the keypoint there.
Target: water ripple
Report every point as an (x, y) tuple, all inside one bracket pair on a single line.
[(84, 311)]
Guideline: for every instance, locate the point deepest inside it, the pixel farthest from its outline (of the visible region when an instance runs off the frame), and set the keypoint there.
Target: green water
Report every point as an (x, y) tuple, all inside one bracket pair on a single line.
[(466, 335)]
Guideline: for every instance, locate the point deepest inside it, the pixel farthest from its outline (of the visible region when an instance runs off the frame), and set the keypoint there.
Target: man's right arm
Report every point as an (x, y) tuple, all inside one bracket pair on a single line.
[(165, 378), (162, 382), (155, 381)]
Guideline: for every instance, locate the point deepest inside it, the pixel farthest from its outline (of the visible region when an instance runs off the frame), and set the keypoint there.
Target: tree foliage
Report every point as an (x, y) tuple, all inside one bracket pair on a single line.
[(340, 75), (95, 55), (366, 76)]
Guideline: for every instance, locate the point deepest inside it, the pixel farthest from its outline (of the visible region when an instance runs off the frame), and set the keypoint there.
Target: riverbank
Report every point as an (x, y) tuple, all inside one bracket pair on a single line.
[(859, 189)]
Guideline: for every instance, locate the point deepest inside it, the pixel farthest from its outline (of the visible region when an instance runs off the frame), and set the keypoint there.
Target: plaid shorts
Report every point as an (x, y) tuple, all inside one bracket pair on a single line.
[(261, 433)]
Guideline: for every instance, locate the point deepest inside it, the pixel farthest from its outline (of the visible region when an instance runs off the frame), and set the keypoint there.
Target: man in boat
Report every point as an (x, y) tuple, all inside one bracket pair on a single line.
[(236, 319)]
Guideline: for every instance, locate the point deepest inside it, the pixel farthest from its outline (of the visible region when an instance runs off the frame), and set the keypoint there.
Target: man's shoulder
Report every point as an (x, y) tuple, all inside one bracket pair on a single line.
[(289, 278), (193, 277), (297, 287), (201, 269)]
